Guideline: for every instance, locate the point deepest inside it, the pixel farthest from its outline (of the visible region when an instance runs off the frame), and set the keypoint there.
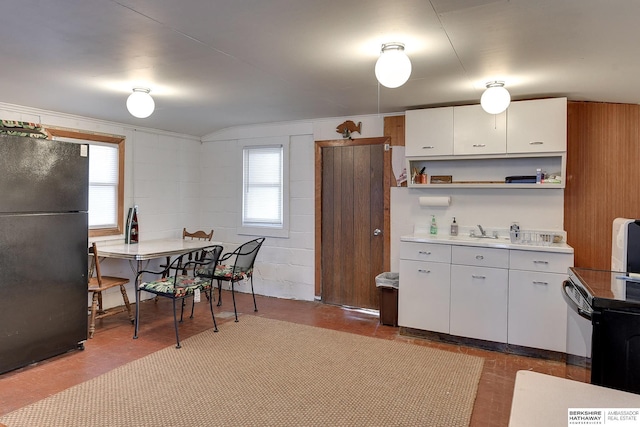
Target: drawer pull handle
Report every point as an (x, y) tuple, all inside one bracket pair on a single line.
[(424, 252), (479, 145), (541, 262), (479, 257), (428, 147), (536, 143), (536, 282), (475, 276), (420, 270)]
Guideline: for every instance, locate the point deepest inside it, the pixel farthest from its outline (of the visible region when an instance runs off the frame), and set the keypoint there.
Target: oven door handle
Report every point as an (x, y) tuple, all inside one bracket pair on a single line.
[(570, 301)]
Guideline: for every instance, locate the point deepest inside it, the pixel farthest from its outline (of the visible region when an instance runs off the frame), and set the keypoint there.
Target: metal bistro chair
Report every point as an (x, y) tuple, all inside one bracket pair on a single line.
[(196, 235), (241, 268), (172, 282), (99, 284)]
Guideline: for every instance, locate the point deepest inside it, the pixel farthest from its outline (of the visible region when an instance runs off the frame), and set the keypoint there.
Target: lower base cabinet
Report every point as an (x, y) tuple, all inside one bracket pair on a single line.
[(501, 295), (479, 302), (537, 310), (424, 295)]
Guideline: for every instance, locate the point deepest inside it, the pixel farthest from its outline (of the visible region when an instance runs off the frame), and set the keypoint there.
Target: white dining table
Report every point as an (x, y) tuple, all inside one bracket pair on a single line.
[(142, 252)]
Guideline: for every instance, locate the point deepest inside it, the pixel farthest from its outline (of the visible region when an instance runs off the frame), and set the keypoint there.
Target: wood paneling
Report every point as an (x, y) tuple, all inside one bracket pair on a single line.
[(603, 173)]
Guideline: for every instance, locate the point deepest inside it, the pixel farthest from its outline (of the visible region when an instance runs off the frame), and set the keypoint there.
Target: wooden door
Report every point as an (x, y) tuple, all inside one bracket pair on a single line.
[(352, 223)]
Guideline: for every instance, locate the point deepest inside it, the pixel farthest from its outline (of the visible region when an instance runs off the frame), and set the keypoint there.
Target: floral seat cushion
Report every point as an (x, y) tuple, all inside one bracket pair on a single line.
[(183, 286), (225, 272)]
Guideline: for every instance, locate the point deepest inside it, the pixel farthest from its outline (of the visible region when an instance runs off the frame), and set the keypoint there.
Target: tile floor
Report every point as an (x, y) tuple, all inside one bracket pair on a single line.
[(113, 346)]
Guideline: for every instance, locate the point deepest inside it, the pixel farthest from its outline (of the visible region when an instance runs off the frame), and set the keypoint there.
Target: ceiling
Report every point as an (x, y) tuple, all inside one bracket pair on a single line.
[(213, 64)]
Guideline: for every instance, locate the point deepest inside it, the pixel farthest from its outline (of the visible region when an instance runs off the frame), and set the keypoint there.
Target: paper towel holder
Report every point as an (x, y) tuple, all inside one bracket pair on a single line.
[(432, 201)]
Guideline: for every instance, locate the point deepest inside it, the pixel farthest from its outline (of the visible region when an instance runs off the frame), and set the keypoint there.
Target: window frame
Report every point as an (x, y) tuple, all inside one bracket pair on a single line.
[(264, 230), (119, 141)]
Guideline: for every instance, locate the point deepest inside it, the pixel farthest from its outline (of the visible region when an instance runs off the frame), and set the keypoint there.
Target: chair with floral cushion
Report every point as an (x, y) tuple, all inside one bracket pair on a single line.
[(240, 268), (177, 282)]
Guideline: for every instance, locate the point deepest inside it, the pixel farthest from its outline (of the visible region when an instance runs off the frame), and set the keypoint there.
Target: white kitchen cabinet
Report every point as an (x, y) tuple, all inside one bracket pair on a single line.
[(423, 295), (429, 132), (479, 302), (479, 283), (537, 311), (475, 132), (500, 294), (538, 125), (482, 149)]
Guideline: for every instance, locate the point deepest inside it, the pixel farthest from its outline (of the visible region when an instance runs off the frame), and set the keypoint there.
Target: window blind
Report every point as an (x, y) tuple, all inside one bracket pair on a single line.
[(262, 204)]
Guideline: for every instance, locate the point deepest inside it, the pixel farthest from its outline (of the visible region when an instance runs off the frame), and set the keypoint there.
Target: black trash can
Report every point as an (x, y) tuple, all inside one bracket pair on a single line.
[(388, 284)]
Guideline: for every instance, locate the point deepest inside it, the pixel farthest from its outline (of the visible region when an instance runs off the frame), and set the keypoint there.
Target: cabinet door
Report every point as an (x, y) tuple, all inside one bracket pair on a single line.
[(537, 310), (479, 302), (477, 132), (429, 132), (423, 295), (537, 126)]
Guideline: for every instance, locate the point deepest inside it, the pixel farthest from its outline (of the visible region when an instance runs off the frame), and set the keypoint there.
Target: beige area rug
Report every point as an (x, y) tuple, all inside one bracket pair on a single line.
[(263, 372)]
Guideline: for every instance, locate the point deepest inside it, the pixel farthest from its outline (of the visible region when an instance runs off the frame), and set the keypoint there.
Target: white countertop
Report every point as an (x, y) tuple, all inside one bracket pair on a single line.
[(545, 400), (501, 242)]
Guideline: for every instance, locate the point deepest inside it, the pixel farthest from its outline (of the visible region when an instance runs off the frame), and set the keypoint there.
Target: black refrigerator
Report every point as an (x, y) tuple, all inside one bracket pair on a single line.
[(43, 249)]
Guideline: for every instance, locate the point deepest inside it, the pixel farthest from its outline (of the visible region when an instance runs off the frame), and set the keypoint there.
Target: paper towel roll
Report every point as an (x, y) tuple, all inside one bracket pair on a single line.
[(435, 201)]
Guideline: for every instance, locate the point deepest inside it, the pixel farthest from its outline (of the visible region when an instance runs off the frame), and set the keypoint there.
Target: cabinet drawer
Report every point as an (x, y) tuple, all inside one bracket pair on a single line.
[(484, 257), (425, 252), (547, 262)]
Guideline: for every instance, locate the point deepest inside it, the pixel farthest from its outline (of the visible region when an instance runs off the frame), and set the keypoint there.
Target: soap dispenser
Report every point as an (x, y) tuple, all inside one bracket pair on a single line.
[(434, 226), (454, 227)]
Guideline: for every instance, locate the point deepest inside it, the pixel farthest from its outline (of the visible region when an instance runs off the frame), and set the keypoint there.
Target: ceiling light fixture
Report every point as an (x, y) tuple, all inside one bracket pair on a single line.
[(140, 104), (496, 98), (393, 67)]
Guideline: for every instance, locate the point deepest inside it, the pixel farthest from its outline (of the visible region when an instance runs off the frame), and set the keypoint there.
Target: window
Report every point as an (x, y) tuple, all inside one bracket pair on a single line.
[(264, 206), (103, 186), (106, 179)]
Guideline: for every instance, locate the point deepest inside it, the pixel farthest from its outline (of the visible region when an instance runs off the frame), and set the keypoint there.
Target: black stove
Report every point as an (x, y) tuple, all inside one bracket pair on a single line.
[(611, 300)]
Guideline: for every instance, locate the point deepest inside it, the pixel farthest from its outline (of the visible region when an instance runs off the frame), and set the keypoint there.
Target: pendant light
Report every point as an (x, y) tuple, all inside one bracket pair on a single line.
[(140, 104), (393, 67), (495, 98)]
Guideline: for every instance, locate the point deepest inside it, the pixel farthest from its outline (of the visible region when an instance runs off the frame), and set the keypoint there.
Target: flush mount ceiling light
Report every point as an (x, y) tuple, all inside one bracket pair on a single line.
[(140, 104), (496, 98), (393, 67)]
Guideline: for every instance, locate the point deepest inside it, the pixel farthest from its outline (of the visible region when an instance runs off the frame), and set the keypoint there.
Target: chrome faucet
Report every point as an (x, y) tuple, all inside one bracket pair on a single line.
[(483, 233)]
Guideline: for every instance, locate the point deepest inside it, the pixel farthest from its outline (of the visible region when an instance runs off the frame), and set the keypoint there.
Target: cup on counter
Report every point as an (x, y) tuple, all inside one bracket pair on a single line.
[(422, 178)]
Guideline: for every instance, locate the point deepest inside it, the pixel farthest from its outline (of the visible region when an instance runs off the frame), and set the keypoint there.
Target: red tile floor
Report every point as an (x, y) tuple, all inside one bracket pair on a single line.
[(113, 346)]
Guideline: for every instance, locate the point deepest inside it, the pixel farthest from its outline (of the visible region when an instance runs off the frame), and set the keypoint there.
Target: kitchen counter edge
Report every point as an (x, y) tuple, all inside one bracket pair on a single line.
[(486, 243)]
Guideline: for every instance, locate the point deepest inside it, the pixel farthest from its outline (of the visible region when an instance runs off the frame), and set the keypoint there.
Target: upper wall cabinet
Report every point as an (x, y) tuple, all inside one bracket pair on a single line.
[(429, 132), (476, 132), (527, 127), (537, 126)]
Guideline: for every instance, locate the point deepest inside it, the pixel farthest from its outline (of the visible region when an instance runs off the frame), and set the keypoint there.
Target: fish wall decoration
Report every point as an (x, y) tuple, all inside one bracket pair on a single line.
[(348, 127)]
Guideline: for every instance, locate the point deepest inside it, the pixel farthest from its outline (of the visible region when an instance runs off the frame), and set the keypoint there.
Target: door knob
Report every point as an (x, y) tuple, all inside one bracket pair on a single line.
[(377, 232)]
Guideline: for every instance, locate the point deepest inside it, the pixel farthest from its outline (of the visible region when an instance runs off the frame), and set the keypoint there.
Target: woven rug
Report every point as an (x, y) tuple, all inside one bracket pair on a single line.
[(263, 372)]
